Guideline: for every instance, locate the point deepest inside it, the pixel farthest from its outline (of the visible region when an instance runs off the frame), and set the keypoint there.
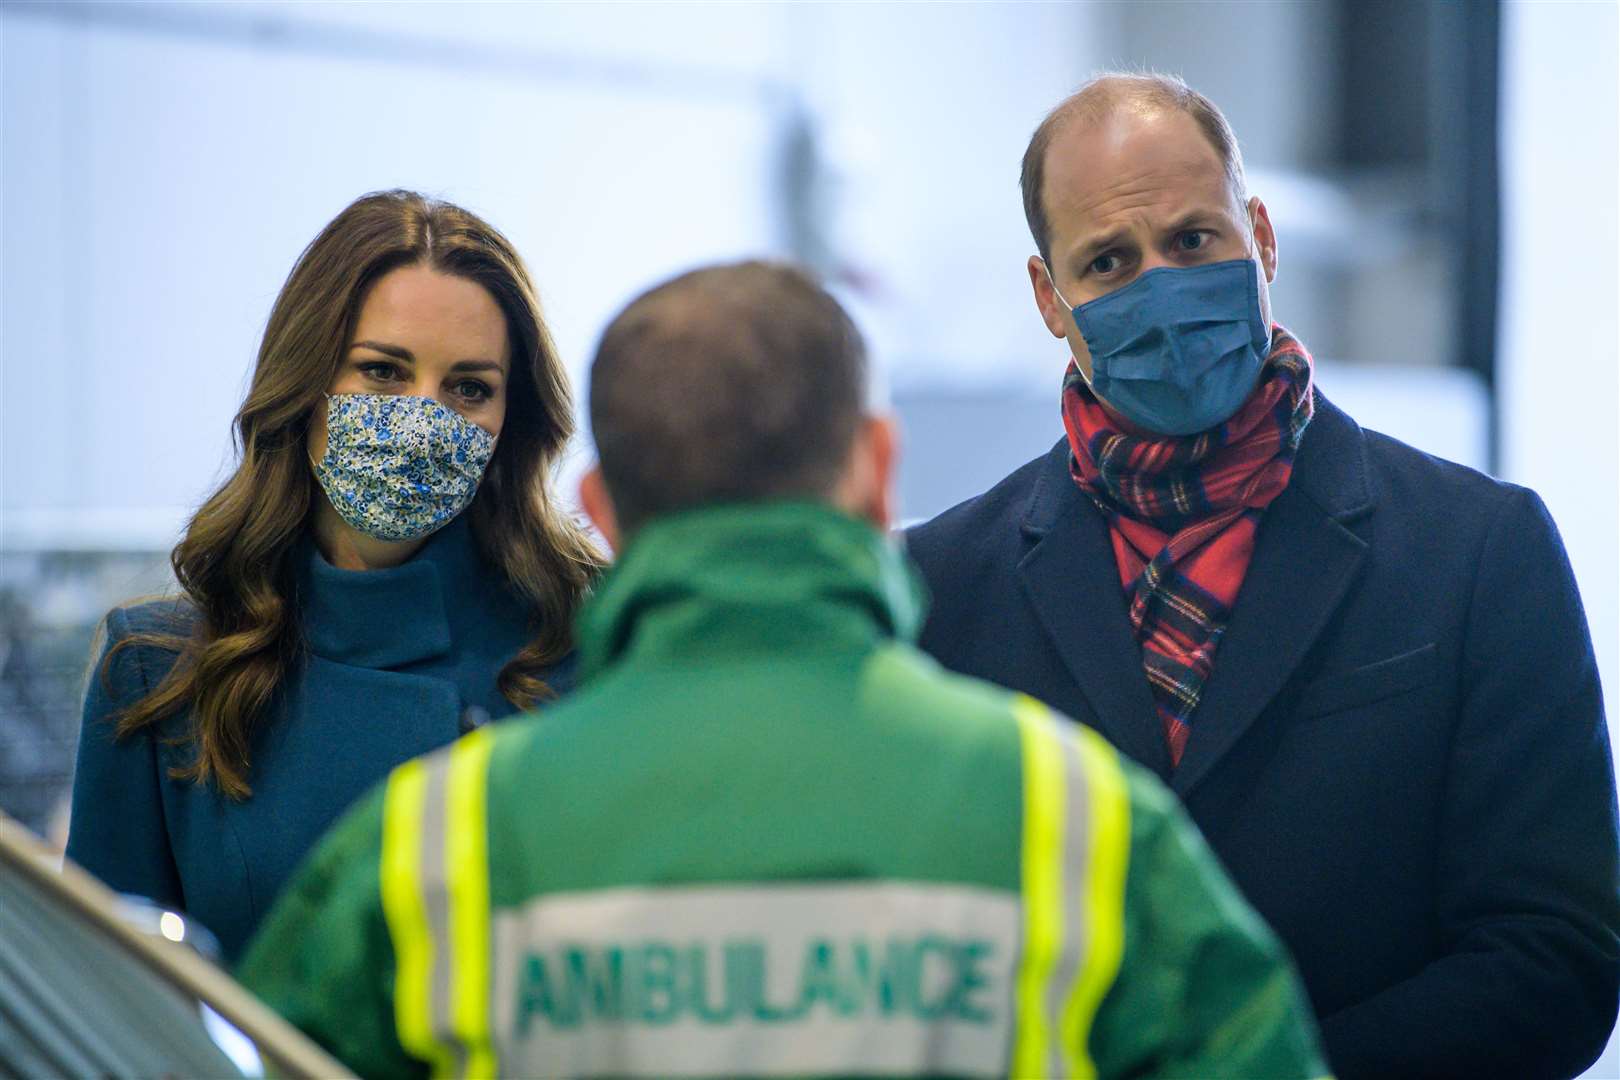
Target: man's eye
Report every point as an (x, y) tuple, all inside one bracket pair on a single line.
[(1105, 264), (1192, 241)]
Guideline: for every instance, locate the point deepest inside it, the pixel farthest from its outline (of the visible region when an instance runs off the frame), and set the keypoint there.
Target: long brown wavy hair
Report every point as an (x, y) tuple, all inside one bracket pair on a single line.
[(235, 562)]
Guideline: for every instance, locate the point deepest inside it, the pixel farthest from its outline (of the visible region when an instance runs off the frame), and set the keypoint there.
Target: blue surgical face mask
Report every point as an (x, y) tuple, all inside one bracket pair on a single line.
[(397, 467), (1178, 350)]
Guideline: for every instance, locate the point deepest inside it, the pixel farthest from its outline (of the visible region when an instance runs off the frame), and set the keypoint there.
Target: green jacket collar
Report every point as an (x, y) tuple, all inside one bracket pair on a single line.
[(734, 580)]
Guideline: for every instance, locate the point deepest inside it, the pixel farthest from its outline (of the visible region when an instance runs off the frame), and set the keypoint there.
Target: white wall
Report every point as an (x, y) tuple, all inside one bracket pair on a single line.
[(162, 172), (1559, 338), (925, 110)]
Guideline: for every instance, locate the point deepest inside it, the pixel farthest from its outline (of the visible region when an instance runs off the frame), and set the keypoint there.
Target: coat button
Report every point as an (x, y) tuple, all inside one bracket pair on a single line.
[(473, 718)]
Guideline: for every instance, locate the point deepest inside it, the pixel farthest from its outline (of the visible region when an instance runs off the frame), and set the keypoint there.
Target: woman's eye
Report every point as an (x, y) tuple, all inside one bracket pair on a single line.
[(380, 372), (473, 390)]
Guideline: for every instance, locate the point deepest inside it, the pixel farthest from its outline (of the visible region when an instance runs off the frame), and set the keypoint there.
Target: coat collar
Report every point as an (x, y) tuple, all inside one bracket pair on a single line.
[(1330, 468), (1070, 578), (1306, 558), (389, 618)]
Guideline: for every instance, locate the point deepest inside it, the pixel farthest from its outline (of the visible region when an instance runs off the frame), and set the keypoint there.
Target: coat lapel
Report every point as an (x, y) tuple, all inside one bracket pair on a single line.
[(1305, 561), (1071, 579)]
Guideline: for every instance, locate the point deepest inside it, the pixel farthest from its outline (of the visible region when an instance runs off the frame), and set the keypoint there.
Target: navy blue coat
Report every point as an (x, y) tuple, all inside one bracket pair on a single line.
[(399, 663), (1400, 754)]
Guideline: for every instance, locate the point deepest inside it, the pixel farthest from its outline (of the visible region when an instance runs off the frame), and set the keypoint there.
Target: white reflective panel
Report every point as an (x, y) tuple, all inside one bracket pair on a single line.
[(758, 980)]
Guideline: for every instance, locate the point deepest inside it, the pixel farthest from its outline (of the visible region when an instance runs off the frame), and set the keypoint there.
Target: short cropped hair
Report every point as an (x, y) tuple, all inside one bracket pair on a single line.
[(736, 383), (1096, 100)]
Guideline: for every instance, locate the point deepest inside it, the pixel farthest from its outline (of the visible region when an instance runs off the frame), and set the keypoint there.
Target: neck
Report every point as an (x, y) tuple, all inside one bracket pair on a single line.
[(347, 549)]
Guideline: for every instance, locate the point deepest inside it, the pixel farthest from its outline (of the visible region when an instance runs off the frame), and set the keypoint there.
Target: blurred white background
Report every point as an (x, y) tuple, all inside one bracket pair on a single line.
[(163, 165)]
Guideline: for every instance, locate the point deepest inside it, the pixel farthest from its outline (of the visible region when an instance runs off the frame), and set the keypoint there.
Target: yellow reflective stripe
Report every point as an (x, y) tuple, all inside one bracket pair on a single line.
[(400, 880), (466, 860), (1109, 821), (1042, 884)]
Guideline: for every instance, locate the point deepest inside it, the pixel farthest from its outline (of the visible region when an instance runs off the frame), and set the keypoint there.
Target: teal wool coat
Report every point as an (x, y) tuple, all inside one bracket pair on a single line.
[(398, 663)]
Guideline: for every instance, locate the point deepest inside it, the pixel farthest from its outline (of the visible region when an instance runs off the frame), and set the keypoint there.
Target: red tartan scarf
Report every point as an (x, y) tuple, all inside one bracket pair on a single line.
[(1183, 511)]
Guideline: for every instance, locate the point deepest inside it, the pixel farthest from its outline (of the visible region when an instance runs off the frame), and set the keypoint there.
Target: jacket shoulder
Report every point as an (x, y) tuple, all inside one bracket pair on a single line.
[(1452, 512), (899, 678), (1411, 477), (165, 615), (143, 657)]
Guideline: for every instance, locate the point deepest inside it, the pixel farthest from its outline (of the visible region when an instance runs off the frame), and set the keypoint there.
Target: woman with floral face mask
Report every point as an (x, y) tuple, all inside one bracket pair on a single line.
[(386, 569)]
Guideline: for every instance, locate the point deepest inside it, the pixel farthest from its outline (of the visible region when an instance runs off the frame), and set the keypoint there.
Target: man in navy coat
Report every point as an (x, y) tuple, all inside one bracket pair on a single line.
[(1365, 670)]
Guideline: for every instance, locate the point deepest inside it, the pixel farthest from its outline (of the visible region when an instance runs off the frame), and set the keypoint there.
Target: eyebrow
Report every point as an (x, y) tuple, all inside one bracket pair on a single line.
[(478, 365), (400, 353), (1103, 241), (395, 351), (1089, 250), (1193, 218)]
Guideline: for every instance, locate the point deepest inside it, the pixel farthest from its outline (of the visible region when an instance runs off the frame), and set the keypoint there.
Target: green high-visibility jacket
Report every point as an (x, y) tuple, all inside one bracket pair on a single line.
[(767, 837)]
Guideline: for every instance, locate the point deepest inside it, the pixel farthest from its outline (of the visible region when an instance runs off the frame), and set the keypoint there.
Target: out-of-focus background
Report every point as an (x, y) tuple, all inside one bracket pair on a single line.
[(1442, 177)]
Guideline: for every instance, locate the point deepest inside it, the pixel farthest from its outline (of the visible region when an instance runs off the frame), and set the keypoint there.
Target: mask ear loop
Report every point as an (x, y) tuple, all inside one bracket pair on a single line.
[(1050, 280), (1251, 251), (313, 464)]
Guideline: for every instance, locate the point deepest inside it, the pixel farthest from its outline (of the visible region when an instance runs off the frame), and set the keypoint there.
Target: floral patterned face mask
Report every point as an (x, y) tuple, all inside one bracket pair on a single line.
[(397, 467)]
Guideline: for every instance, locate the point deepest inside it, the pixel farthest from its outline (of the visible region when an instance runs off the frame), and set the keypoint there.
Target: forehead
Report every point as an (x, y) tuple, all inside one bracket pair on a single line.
[(423, 310), (1132, 164)]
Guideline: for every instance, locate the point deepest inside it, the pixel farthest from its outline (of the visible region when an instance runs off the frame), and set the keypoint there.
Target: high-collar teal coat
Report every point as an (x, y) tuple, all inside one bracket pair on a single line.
[(399, 662)]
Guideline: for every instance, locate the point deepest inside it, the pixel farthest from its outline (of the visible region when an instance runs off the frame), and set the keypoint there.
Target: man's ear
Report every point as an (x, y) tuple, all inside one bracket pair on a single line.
[(867, 488), (1265, 237), (593, 495), (1046, 298)]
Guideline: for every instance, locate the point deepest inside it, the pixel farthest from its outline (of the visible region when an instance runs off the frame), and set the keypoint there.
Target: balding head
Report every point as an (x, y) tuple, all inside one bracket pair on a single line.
[(735, 383), (1101, 99)]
